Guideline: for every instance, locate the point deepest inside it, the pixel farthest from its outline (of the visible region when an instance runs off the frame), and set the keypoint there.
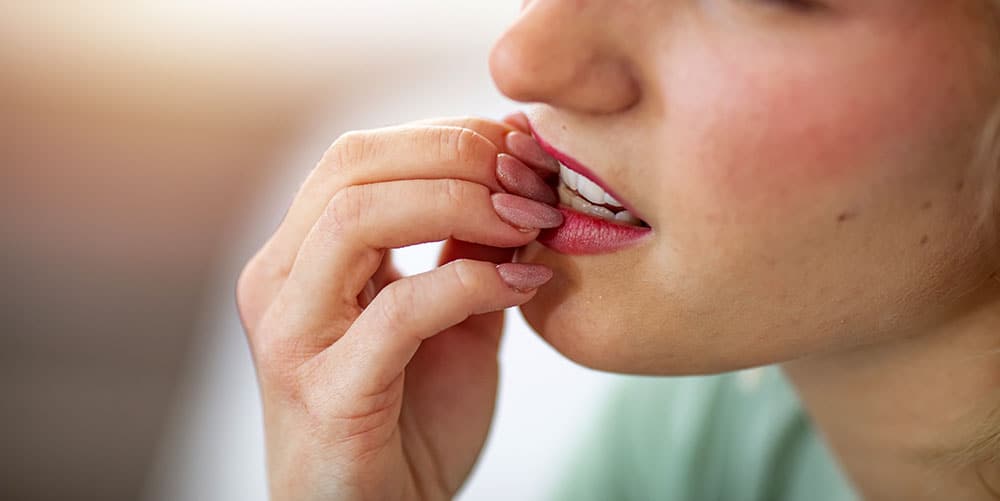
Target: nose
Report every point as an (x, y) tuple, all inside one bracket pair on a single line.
[(561, 53)]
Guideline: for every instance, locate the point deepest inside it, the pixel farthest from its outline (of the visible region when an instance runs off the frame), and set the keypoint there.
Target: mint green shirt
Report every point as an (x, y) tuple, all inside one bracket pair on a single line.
[(732, 437)]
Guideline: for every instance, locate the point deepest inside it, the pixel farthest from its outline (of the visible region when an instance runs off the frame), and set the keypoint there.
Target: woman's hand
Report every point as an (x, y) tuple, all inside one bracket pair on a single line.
[(377, 386)]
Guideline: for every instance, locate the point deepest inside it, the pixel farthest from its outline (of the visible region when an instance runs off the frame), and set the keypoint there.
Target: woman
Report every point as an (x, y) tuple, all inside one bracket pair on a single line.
[(744, 183)]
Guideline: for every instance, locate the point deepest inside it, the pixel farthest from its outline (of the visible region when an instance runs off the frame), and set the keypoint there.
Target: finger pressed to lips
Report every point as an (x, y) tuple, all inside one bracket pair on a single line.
[(459, 148), (389, 154), (345, 246)]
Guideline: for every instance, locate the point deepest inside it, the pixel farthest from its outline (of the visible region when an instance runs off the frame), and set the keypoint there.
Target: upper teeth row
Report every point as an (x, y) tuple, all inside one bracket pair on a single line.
[(585, 187)]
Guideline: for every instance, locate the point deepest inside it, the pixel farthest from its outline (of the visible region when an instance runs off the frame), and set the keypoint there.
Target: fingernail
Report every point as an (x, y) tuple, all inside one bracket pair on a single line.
[(519, 179), (524, 277), (525, 213), (526, 148)]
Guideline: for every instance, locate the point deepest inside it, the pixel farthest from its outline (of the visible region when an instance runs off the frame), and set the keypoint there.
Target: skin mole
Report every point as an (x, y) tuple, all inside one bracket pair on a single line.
[(846, 216)]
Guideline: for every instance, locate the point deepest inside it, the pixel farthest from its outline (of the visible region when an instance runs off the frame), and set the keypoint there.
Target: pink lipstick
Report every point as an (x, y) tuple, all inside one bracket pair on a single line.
[(582, 234)]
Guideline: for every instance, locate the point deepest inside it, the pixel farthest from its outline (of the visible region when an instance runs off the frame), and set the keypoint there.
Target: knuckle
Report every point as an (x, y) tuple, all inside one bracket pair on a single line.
[(345, 211), (466, 274), (347, 149), (473, 147), (246, 287), (465, 145), (458, 195), (253, 287), (455, 193), (397, 301), (335, 167)]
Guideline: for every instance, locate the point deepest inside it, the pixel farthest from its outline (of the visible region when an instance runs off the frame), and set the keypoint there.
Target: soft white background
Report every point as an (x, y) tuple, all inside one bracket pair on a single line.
[(395, 61)]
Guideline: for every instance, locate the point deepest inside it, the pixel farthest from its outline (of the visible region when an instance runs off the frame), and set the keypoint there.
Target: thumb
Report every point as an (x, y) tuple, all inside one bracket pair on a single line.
[(489, 324)]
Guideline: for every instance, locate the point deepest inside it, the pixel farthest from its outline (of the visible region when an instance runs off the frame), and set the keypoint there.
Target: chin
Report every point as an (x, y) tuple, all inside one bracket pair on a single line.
[(590, 346), (610, 345), (612, 338)]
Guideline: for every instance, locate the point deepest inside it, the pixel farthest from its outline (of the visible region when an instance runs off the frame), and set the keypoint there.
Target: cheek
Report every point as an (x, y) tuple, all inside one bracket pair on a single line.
[(767, 147), (767, 141), (772, 134)]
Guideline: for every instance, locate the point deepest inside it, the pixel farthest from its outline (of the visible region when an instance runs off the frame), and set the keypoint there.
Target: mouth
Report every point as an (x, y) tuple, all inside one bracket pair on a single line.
[(596, 220), (587, 197)]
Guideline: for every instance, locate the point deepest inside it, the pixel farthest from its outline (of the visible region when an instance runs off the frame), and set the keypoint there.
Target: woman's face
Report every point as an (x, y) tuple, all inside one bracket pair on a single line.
[(804, 168)]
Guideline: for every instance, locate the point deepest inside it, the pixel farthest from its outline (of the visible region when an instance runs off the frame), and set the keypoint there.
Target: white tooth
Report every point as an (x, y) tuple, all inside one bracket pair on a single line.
[(568, 177), (608, 199), (626, 217), (590, 190), (602, 212), (565, 196), (579, 204)]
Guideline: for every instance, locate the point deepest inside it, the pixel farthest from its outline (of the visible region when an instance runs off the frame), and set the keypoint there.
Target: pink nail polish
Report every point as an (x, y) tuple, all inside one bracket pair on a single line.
[(525, 213), (524, 277), (519, 179), (527, 149)]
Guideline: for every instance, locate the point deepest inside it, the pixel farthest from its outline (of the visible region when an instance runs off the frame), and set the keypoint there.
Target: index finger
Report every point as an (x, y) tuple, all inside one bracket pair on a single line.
[(467, 149)]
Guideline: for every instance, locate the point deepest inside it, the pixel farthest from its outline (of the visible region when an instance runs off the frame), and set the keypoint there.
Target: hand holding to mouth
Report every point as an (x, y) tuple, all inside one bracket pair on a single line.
[(378, 386)]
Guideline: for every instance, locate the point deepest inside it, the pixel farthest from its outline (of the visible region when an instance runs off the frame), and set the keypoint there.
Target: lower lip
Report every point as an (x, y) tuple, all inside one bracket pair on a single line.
[(581, 234)]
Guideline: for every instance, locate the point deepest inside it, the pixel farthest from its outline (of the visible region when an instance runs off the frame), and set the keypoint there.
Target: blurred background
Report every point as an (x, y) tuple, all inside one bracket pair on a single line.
[(146, 150)]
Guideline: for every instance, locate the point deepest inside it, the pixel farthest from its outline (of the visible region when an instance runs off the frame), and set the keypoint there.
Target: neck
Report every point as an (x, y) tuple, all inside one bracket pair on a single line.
[(917, 417)]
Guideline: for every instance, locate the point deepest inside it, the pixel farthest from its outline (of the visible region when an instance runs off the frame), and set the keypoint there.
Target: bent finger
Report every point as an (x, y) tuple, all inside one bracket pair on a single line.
[(381, 155), (347, 244), (377, 347), (460, 148)]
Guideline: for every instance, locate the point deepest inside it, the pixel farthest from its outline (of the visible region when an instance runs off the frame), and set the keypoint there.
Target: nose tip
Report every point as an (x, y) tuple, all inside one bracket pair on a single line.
[(514, 70), (543, 58)]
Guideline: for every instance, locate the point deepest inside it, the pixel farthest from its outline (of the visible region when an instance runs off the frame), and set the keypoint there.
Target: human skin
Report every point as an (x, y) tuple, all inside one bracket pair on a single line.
[(800, 199), (805, 173), (374, 385)]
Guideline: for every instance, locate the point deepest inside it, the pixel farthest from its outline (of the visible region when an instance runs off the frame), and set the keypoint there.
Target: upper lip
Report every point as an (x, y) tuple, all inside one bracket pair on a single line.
[(581, 169)]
